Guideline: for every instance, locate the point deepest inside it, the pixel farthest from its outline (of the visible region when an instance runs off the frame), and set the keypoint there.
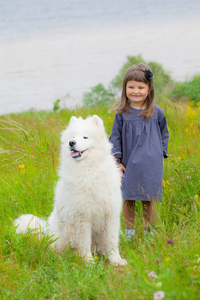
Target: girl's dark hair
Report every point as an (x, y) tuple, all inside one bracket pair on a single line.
[(137, 72)]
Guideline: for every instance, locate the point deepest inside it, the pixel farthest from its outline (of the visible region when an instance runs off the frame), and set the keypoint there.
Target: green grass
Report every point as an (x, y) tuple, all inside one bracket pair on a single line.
[(30, 269)]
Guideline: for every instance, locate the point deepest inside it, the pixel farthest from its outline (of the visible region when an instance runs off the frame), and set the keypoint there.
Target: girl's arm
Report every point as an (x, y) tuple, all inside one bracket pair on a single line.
[(165, 134), (116, 136)]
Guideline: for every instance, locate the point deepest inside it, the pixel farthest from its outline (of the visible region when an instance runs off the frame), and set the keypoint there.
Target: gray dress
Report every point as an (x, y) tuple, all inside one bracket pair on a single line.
[(141, 144)]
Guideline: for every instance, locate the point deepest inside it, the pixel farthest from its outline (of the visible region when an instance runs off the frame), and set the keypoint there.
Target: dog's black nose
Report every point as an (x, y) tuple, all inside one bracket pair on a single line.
[(72, 143)]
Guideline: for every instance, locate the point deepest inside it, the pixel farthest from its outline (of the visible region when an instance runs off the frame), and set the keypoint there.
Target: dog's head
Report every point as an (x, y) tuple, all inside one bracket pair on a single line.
[(83, 137)]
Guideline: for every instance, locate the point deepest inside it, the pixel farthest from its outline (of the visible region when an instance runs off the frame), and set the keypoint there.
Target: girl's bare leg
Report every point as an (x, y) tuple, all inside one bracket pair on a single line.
[(129, 213), (148, 212)]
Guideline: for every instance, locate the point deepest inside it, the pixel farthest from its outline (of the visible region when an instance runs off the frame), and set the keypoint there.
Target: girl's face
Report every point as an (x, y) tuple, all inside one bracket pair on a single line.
[(137, 93)]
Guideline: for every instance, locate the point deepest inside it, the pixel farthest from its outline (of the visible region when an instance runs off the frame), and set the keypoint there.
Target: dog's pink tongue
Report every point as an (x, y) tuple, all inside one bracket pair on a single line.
[(74, 153)]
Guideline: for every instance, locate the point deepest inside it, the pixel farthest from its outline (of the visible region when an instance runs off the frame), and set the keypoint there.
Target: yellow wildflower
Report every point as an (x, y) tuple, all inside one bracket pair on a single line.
[(21, 166), (178, 159), (166, 182)]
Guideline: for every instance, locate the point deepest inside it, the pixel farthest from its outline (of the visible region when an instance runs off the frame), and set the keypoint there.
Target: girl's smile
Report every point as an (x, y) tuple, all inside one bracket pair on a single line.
[(137, 93)]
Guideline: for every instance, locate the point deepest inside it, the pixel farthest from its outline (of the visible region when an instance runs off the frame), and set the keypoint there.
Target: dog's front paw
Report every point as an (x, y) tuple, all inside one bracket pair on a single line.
[(121, 262), (117, 261)]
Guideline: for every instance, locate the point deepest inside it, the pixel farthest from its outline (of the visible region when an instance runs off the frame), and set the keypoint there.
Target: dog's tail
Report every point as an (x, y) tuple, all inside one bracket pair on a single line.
[(26, 222)]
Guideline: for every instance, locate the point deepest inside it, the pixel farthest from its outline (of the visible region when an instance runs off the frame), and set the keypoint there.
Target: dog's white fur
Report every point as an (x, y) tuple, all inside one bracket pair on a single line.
[(87, 203)]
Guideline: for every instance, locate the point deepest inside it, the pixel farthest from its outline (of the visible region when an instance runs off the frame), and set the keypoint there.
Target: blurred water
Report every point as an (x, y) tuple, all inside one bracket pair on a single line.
[(60, 48)]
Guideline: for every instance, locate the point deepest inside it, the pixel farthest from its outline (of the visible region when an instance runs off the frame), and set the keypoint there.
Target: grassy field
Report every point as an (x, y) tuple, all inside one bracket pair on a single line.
[(30, 269)]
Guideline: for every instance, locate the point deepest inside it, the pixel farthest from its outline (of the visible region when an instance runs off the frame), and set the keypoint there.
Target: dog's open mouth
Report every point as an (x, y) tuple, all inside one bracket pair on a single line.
[(76, 154)]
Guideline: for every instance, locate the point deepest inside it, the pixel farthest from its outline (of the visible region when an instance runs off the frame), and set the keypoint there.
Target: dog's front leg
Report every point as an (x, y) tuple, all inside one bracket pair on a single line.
[(82, 239), (111, 240)]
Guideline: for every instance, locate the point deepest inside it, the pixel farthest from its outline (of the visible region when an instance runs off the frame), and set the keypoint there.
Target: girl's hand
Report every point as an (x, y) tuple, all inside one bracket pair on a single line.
[(122, 168)]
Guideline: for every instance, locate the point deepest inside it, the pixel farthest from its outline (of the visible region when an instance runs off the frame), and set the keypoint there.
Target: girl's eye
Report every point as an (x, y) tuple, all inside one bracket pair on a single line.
[(85, 137)]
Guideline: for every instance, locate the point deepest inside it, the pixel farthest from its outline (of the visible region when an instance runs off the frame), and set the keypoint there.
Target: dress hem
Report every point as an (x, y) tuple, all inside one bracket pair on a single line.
[(140, 199)]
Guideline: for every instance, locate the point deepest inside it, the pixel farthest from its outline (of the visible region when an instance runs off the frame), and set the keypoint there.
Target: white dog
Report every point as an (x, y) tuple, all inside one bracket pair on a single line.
[(87, 203)]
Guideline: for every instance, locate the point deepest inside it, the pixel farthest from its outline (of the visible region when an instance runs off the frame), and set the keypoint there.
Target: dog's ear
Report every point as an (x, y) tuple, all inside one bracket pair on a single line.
[(72, 120), (98, 121)]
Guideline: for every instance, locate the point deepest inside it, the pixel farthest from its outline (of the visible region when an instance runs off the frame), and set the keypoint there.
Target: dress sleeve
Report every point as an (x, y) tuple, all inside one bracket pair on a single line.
[(164, 133), (116, 136)]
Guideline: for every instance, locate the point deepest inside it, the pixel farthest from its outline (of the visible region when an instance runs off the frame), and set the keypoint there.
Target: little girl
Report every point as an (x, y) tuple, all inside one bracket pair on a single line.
[(140, 141)]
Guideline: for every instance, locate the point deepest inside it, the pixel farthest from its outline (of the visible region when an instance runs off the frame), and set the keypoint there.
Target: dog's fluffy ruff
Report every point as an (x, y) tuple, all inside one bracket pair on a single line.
[(87, 203)]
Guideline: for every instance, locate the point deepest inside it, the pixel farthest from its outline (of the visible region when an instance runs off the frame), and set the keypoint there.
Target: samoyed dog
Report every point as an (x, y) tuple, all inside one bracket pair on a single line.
[(87, 203)]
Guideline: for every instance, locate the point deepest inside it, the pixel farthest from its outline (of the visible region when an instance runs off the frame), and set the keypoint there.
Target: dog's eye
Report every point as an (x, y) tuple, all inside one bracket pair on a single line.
[(85, 137)]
